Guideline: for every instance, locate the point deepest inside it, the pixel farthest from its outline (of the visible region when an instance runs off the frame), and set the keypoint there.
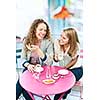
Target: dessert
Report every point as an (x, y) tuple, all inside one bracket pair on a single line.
[(48, 81)]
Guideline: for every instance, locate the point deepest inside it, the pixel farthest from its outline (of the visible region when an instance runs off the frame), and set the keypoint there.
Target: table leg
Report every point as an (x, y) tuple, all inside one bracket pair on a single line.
[(61, 96), (47, 97), (32, 97)]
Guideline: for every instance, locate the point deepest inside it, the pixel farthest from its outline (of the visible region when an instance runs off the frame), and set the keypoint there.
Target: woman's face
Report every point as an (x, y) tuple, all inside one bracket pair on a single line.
[(63, 39), (41, 31)]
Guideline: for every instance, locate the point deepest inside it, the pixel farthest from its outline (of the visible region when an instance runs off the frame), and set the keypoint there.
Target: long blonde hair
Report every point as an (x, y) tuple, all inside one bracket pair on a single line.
[(31, 36), (73, 40)]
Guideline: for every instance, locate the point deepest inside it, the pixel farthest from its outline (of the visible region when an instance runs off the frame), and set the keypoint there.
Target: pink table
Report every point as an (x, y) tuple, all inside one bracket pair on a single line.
[(29, 83)]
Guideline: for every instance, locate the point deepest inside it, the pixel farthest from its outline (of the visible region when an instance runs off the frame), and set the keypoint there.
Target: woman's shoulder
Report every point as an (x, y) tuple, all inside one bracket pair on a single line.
[(48, 40)]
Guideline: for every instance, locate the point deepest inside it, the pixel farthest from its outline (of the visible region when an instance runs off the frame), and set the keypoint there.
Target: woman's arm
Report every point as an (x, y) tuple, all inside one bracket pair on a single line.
[(72, 62), (56, 50), (55, 57), (25, 60), (36, 49), (75, 58)]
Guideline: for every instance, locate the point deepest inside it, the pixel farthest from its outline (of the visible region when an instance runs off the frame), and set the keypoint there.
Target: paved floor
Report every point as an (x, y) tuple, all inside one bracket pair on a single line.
[(74, 95)]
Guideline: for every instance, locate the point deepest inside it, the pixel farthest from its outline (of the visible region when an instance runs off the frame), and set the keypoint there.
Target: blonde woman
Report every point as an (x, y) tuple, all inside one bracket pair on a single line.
[(67, 53), (37, 50)]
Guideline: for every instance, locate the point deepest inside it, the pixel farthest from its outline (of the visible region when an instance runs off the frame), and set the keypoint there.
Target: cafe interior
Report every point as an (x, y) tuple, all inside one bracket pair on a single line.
[(59, 14)]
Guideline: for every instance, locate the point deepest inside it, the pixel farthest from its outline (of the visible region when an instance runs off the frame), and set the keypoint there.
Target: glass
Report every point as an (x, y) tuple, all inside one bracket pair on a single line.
[(36, 75), (48, 72)]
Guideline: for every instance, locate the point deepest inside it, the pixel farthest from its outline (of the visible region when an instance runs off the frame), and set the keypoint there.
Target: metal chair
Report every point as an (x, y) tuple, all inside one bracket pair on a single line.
[(80, 84), (18, 55)]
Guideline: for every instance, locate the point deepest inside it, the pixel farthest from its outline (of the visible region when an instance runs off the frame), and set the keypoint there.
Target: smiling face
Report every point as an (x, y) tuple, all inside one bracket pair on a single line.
[(41, 31), (63, 39), (38, 31)]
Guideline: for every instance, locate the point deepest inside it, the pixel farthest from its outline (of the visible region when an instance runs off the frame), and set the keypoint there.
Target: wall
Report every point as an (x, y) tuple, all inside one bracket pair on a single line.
[(26, 12)]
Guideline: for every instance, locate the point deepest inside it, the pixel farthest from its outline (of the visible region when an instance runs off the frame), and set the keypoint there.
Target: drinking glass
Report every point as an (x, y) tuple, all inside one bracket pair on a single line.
[(48, 72)]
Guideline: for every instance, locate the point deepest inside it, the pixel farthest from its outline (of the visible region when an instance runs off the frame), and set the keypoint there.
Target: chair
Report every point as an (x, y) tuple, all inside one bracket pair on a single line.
[(19, 45), (18, 55), (80, 84)]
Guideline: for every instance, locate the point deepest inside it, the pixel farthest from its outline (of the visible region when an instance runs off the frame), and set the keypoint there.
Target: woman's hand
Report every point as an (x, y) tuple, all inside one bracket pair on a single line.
[(30, 67), (32, 47), (29, 47), (55, 57), (37, 49)]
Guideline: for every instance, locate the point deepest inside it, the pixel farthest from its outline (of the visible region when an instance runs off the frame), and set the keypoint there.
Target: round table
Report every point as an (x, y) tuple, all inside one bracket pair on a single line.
[(36, 86)]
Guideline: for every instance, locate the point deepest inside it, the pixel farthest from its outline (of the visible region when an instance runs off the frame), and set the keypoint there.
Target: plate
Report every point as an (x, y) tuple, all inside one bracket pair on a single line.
[(48, 81), (63, 72), (38, 69)]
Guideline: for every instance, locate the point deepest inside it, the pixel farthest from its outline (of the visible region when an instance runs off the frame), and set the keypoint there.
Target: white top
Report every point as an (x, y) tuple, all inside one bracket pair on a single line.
[(64, 57)]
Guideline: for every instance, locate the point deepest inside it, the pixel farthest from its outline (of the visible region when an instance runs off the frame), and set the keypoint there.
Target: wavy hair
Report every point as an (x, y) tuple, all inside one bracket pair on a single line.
[(73, 40), (31, 36)]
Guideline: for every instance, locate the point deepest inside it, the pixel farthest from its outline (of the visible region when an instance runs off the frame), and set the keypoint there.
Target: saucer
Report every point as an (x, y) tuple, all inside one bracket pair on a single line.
[(38, 69), (63, 72)]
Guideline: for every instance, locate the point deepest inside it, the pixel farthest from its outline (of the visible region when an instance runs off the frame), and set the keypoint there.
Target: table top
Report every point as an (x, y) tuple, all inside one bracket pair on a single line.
[(36, 86)]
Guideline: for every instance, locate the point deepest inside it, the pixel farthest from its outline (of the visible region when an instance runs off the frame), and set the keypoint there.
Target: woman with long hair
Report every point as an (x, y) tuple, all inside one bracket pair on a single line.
[(67, 53), (37, 49)]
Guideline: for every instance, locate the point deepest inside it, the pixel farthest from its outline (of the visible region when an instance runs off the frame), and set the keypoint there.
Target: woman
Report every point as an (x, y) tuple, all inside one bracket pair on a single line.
[(37, 49), (67, 54)]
